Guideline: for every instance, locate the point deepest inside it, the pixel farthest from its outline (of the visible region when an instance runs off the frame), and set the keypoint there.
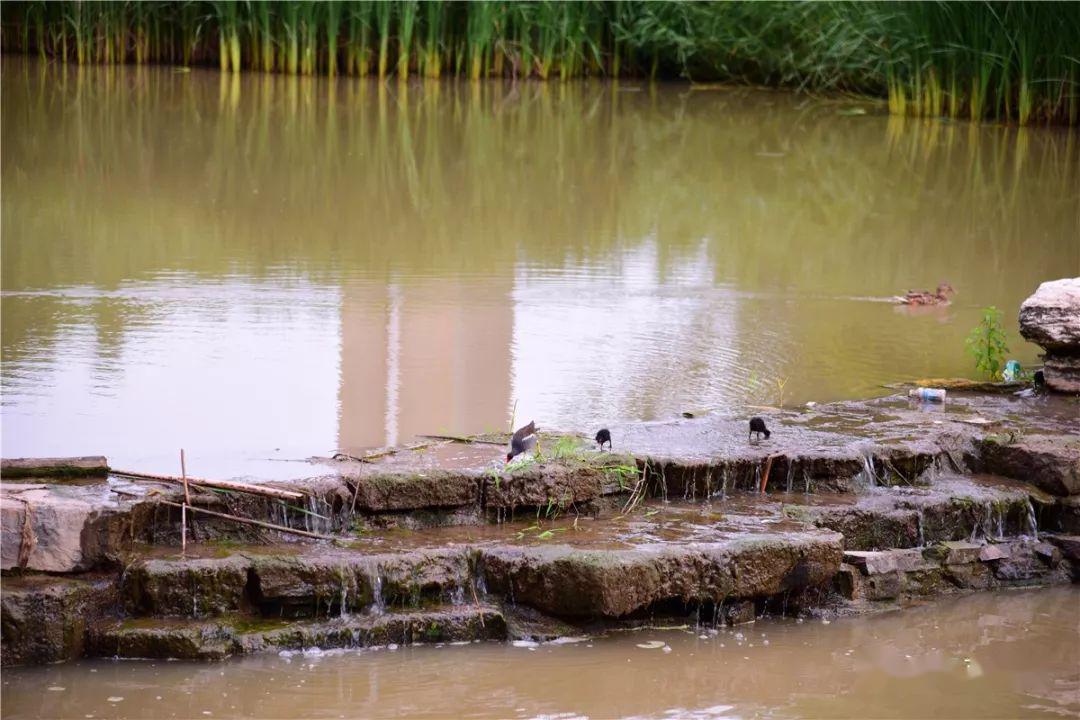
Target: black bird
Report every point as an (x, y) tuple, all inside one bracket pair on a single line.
[(524, 439), (603, 436), (757, 425)]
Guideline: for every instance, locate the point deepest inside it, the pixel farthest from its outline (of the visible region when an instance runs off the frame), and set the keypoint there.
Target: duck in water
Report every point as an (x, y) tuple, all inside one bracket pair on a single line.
[(757, 425), (925, 297), (603, 436), (524, 439)]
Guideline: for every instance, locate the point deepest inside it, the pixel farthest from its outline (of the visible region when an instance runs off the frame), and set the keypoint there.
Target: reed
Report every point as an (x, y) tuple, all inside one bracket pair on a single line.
[(1005, 61)]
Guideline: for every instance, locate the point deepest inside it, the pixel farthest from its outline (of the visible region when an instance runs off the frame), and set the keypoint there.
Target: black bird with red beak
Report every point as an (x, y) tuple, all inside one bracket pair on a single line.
[(524, 439)]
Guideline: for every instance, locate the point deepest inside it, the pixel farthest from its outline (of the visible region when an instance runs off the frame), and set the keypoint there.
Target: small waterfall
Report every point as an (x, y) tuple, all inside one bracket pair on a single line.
[(807, 484), (1032, 523), (920, 519), (790, 473), (724, 482), (374, 576), (868, 476)]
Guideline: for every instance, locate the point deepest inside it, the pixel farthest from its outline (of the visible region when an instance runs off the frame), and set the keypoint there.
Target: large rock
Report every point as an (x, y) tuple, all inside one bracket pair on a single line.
[(1051, 318), (44, 619), (57, 528), (573, 582), (1050, 463)]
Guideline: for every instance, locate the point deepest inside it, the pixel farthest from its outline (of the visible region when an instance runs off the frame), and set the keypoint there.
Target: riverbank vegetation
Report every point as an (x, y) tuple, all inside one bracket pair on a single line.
[(1007, 61)]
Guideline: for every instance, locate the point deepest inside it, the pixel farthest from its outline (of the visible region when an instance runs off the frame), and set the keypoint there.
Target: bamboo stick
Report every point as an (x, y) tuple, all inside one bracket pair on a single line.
[(187, 501), (250, 521), (464, 439), (218, 484), (765, 474)]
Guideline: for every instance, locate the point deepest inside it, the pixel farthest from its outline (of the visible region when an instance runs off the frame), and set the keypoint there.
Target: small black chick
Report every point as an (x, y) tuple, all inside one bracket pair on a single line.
[(757, 425), (604, 436)]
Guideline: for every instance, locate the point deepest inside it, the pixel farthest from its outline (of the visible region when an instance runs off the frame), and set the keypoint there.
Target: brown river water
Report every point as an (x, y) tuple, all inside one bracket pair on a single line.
[(260, 268), (991, 655)]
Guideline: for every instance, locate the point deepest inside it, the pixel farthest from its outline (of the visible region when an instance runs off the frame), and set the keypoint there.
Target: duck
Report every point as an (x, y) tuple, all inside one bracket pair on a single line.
[(523, 440), (925, 297), (757, 425), (603, 436)]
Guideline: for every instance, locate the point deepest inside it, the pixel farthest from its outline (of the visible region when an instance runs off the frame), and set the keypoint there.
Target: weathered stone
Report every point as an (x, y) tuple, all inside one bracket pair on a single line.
[(926, 582), (1024, 567), (51, 529), (955, 552), (1062, 372), (54, 467), (885, 561), (554, 488), (1051, 316), (196, 587), (384, 492), (573, 582), (216, 640), (1050, 463), (1047, 553), (990, 553), (970, 576), (1069, 545), (44, 618)]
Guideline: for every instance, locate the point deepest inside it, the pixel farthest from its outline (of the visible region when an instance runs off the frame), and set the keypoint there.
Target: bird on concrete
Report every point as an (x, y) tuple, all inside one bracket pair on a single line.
[(524, 439), (603, 436), (757, 425)]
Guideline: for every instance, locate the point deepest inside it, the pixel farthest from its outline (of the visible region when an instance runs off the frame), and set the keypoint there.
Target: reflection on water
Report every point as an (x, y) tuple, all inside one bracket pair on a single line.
[(991, 655), (271, 267)]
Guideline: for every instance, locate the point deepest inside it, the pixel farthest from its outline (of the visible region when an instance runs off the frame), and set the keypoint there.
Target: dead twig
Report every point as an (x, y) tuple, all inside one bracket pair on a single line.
[(469, 440)]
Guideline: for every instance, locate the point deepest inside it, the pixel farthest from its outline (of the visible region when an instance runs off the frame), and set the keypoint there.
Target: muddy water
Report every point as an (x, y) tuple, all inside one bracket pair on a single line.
[(992, 655), (263, 268)]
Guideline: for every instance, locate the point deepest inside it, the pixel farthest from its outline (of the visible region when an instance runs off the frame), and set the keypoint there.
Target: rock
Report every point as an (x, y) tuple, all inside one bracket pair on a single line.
[(44, 619), (216, 640), (1069, 545), (1050, 463), (1025, 567), (188, 587), (955, 552), (990, 553), (571, 582), (1051, 317), (54, 528), (384, 492), (971, 576), (1047, 553), (885, 561), (1062, 372)]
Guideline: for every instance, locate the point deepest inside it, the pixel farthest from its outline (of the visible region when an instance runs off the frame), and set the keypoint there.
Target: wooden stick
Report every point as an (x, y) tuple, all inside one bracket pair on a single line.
[(183, 510), (765, 475), (249, 521), (464, 439), (219, 484)]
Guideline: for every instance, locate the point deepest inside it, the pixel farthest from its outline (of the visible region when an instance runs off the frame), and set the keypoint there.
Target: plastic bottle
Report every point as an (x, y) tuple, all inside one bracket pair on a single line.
[(1012, 371), (928, 394)]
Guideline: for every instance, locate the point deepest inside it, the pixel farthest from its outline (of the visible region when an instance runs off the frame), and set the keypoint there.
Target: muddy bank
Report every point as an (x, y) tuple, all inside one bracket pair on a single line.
[(865, 505)]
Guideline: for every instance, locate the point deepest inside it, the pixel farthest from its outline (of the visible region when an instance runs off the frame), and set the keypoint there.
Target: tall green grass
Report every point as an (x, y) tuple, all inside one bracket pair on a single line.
[(1008, 61)]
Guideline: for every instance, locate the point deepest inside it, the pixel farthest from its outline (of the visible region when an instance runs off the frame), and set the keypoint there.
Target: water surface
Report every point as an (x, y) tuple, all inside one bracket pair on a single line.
[(991, 655), (265, 268)]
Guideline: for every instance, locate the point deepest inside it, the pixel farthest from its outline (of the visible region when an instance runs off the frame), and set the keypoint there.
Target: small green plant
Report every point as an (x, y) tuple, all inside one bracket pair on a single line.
[(987, 344)]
